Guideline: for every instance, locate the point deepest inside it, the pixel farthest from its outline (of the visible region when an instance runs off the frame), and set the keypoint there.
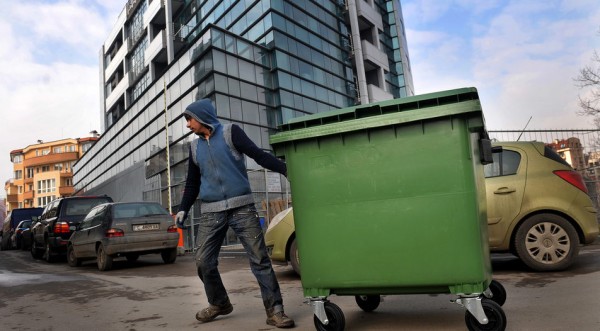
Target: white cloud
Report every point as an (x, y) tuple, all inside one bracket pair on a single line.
[(49, 75), (521, 55)]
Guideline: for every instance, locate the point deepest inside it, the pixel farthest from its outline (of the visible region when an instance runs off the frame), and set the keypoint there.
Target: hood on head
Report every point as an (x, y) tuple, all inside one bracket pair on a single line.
[(204, 112)]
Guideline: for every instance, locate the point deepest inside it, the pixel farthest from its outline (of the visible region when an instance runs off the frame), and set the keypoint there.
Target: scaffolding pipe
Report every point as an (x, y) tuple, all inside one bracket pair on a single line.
[(358, 55), (168, 149)]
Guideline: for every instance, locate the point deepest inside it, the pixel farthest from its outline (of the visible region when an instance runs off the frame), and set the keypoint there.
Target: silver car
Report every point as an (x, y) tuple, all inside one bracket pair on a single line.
[(128, 229)]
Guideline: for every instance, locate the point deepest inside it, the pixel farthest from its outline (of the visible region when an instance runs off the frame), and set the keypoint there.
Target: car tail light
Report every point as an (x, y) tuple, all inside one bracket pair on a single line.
[(172, 228), (61, 227), (572, 177), (112, 233)]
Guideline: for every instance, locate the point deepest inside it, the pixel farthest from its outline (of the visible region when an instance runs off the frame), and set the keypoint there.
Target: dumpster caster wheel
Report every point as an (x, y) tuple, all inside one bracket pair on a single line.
[(494, 313), (368, 303), (335, 316), (498, 292)]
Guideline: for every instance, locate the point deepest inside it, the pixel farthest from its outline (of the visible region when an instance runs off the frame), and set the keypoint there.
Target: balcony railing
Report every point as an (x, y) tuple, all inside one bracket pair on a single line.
[(66, 190), (28, 195), (12, 198), (51, 159)]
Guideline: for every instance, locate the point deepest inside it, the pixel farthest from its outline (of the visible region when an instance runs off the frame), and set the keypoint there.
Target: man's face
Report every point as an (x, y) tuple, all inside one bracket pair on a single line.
[(197, 127)]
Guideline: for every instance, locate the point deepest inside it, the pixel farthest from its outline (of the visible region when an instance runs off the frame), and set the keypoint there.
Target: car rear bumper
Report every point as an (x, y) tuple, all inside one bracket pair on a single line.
[(586, 215), (58, 243), (114, 246)]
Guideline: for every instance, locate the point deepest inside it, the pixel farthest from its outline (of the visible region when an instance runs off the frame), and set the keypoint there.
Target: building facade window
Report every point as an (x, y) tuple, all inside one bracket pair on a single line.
[(43, 201), (18, 174), (46, 186), (18, 159)]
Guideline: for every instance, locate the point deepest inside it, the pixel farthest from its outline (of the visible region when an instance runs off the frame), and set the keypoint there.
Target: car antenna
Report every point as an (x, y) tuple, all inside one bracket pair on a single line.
[(530, 117)]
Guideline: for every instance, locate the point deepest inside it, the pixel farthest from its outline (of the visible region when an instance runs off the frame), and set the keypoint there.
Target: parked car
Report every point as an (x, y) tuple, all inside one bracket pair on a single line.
[(51, 233), (537, 207), (22, 232), (12, 220), (280, 239), (128, 229)]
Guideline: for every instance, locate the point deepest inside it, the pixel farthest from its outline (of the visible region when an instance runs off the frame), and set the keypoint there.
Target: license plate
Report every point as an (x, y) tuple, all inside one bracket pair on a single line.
[(146, 227)]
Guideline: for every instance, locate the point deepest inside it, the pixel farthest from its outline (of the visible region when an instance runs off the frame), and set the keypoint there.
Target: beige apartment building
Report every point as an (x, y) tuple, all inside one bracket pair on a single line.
[(44, 171)]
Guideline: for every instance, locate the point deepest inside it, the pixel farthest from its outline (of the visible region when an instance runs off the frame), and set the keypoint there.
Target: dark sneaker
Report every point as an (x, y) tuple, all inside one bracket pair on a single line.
[(209, 313), (280, 320)]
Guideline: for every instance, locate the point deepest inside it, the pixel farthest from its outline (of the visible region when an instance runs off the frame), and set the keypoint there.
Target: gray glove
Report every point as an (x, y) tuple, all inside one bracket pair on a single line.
[(180, 218)]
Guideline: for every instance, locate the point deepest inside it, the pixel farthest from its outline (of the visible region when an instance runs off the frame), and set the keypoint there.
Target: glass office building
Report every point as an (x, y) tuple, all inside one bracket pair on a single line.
[(261, 62)]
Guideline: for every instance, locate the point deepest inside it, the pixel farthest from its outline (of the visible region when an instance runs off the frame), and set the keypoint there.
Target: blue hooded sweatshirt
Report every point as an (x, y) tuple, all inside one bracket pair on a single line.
[(219, 160)]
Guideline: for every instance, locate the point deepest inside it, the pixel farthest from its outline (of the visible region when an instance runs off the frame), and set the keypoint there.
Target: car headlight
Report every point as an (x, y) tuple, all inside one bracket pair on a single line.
[(278, 218)]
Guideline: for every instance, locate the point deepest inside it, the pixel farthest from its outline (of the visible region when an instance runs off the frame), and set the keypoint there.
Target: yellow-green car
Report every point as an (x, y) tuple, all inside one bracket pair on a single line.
[(538, 209)]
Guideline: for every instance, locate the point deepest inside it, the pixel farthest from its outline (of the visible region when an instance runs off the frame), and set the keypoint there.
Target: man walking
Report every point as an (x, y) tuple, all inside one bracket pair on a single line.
[(217, 171)]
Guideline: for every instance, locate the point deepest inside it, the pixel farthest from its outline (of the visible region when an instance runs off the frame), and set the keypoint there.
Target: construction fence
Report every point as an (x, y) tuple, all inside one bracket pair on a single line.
[(579, 147)]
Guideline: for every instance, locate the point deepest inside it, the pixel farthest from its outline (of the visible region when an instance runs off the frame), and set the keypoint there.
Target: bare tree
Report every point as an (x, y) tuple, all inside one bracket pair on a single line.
[(589, 78)]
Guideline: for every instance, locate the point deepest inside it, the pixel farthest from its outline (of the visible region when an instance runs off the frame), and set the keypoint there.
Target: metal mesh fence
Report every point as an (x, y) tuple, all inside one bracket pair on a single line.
[(585, 148)]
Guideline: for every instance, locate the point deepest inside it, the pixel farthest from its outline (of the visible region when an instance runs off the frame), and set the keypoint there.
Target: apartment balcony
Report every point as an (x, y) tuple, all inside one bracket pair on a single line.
[(368, 15), (117, 92), (157, 50), (377, 94), (12, 198), (28, 180), (374, 57), (52, 158), (28, 195), (116, 62), (66, 174), (66, 190), (155, 13), (116, 30)]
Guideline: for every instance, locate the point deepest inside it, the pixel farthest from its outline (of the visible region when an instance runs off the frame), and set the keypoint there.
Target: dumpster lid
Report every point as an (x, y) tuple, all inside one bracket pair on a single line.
[(384, 113)]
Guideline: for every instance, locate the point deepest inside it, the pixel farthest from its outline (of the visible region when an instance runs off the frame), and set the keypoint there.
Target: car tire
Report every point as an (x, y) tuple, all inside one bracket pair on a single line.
[(295, 257), (35, 252), (547, 242), (169, 255), (71, 258), (48, 252), (104, 260)]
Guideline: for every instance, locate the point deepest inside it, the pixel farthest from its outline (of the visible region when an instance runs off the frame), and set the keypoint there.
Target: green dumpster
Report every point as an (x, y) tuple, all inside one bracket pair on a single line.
[(389, 198)]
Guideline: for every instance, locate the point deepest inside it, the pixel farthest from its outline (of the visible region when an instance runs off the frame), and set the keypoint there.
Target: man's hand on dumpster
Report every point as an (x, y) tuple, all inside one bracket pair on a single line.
[(180, 218)]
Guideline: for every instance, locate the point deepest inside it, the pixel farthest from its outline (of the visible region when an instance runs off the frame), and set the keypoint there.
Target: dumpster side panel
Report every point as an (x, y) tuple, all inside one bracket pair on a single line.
[(394, 209)]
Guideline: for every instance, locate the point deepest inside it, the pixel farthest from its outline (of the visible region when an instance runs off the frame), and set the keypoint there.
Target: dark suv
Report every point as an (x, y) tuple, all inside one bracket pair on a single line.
[(11, 222), (50, 234)]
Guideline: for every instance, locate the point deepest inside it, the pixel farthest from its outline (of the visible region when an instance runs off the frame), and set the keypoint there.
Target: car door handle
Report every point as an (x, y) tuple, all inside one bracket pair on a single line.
[(504, 190)]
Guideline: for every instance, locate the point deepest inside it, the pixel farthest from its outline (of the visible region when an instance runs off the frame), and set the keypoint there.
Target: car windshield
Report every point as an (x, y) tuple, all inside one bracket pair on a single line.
[(82, 206), (127, 210)]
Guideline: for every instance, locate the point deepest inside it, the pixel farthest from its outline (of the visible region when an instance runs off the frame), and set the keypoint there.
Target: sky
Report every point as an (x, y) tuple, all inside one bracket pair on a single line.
[(521, 55)]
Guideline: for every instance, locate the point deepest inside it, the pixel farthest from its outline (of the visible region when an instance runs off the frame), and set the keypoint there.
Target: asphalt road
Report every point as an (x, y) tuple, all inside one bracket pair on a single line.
[(149, 295)]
